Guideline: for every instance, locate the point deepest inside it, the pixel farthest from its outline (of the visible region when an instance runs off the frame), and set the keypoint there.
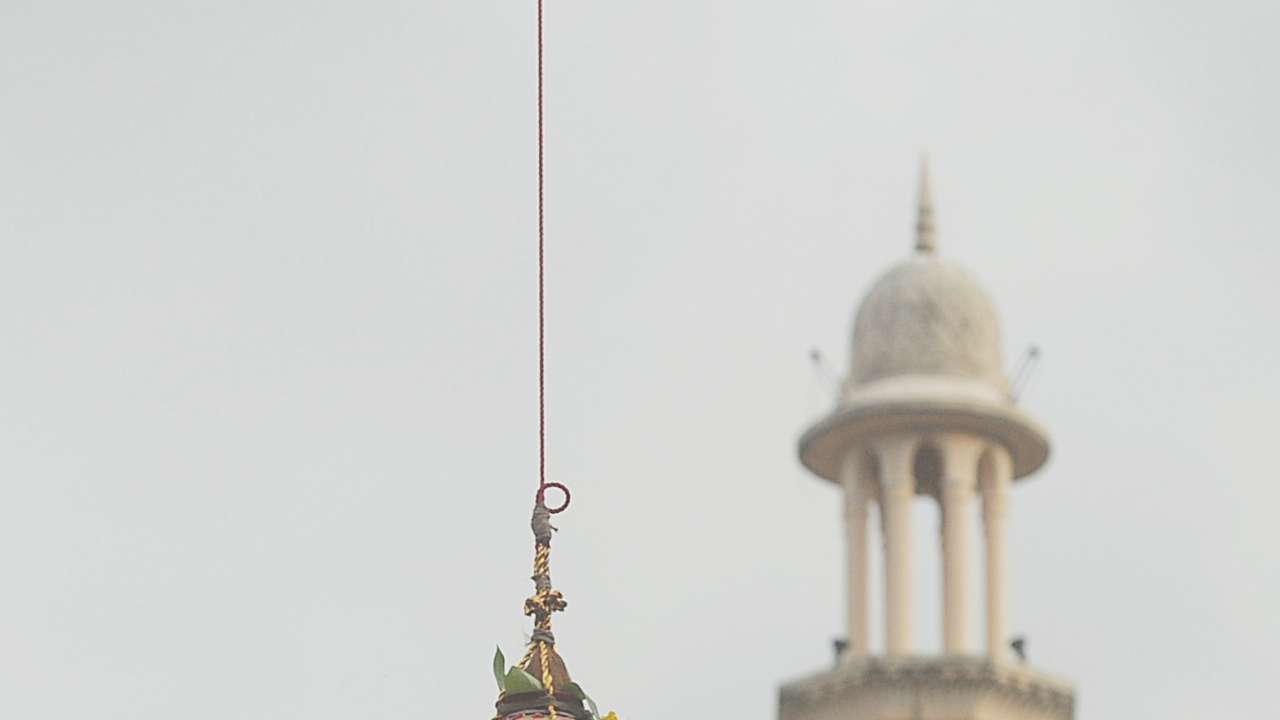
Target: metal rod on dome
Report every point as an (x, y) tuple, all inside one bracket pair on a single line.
[(1022, 372)]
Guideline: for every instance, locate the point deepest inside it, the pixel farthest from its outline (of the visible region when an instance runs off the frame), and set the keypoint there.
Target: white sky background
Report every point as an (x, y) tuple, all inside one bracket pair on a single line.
[(267, 386)]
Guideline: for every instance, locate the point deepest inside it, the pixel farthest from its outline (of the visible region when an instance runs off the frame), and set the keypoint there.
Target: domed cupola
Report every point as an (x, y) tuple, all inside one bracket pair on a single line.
[(925, 414), (927, 356), (927, 316)]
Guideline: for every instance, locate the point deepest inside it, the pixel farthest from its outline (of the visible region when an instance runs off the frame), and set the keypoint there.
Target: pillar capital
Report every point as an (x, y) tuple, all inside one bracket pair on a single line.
[(959, 453), (995, 478), (896, 454), (859, 475)]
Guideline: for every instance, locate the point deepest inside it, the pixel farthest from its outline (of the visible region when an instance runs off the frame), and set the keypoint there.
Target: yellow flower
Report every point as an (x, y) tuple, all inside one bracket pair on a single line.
[(611, 716)]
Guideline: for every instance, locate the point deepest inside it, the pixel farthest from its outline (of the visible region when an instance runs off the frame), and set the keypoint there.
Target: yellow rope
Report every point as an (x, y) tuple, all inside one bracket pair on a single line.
[(544, 602), (528, 655), (546, 678)]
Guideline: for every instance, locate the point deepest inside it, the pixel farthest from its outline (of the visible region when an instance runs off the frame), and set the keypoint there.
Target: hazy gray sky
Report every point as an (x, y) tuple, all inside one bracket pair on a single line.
[(267, 400)]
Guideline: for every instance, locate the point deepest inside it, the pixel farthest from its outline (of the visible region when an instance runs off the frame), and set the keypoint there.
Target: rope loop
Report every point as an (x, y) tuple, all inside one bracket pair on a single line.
[(542, 496)]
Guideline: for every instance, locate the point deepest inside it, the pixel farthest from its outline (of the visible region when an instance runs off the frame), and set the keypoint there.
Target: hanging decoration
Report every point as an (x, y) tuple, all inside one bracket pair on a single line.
[(539, 686)]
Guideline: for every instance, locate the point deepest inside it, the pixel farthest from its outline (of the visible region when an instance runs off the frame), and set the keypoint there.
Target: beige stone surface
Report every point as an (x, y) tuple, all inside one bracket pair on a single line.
[(927, 688), (922, 404), (927, 316), (925, 412)]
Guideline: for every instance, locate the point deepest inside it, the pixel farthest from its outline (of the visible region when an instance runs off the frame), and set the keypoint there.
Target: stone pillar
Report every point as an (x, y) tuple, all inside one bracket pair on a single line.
[(857, 475), (897, 487), (956, 490), (997, 475)]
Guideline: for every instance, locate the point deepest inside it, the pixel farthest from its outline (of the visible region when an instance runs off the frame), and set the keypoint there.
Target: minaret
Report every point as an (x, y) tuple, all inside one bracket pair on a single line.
[(926, 412)]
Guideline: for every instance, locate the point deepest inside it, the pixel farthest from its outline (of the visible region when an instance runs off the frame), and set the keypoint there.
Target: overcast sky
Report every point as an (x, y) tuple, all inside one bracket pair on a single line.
[(267, 386)]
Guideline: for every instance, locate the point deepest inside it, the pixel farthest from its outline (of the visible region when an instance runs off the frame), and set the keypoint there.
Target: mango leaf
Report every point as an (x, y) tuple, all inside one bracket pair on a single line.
[(499, 662), (576, 690), (518, 681)]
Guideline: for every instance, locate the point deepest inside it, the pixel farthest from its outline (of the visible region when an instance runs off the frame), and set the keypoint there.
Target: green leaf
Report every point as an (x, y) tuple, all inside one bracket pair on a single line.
[(518, 681), (499, 662), (576, 690)]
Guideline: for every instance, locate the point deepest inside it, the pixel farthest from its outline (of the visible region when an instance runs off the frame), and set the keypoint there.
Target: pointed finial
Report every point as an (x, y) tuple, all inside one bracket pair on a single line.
[(926, 240)]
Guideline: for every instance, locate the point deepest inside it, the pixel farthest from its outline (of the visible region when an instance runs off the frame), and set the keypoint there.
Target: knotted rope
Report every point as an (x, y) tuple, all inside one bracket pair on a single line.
[(545, 600)]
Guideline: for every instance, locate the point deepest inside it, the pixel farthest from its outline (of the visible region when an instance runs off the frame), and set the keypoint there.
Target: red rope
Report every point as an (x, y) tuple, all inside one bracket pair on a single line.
[(542, 314), (542, 309)]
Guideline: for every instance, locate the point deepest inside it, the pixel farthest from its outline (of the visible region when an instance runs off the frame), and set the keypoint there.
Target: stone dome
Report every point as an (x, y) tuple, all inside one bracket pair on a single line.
[(927, 316), (927, 359)]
